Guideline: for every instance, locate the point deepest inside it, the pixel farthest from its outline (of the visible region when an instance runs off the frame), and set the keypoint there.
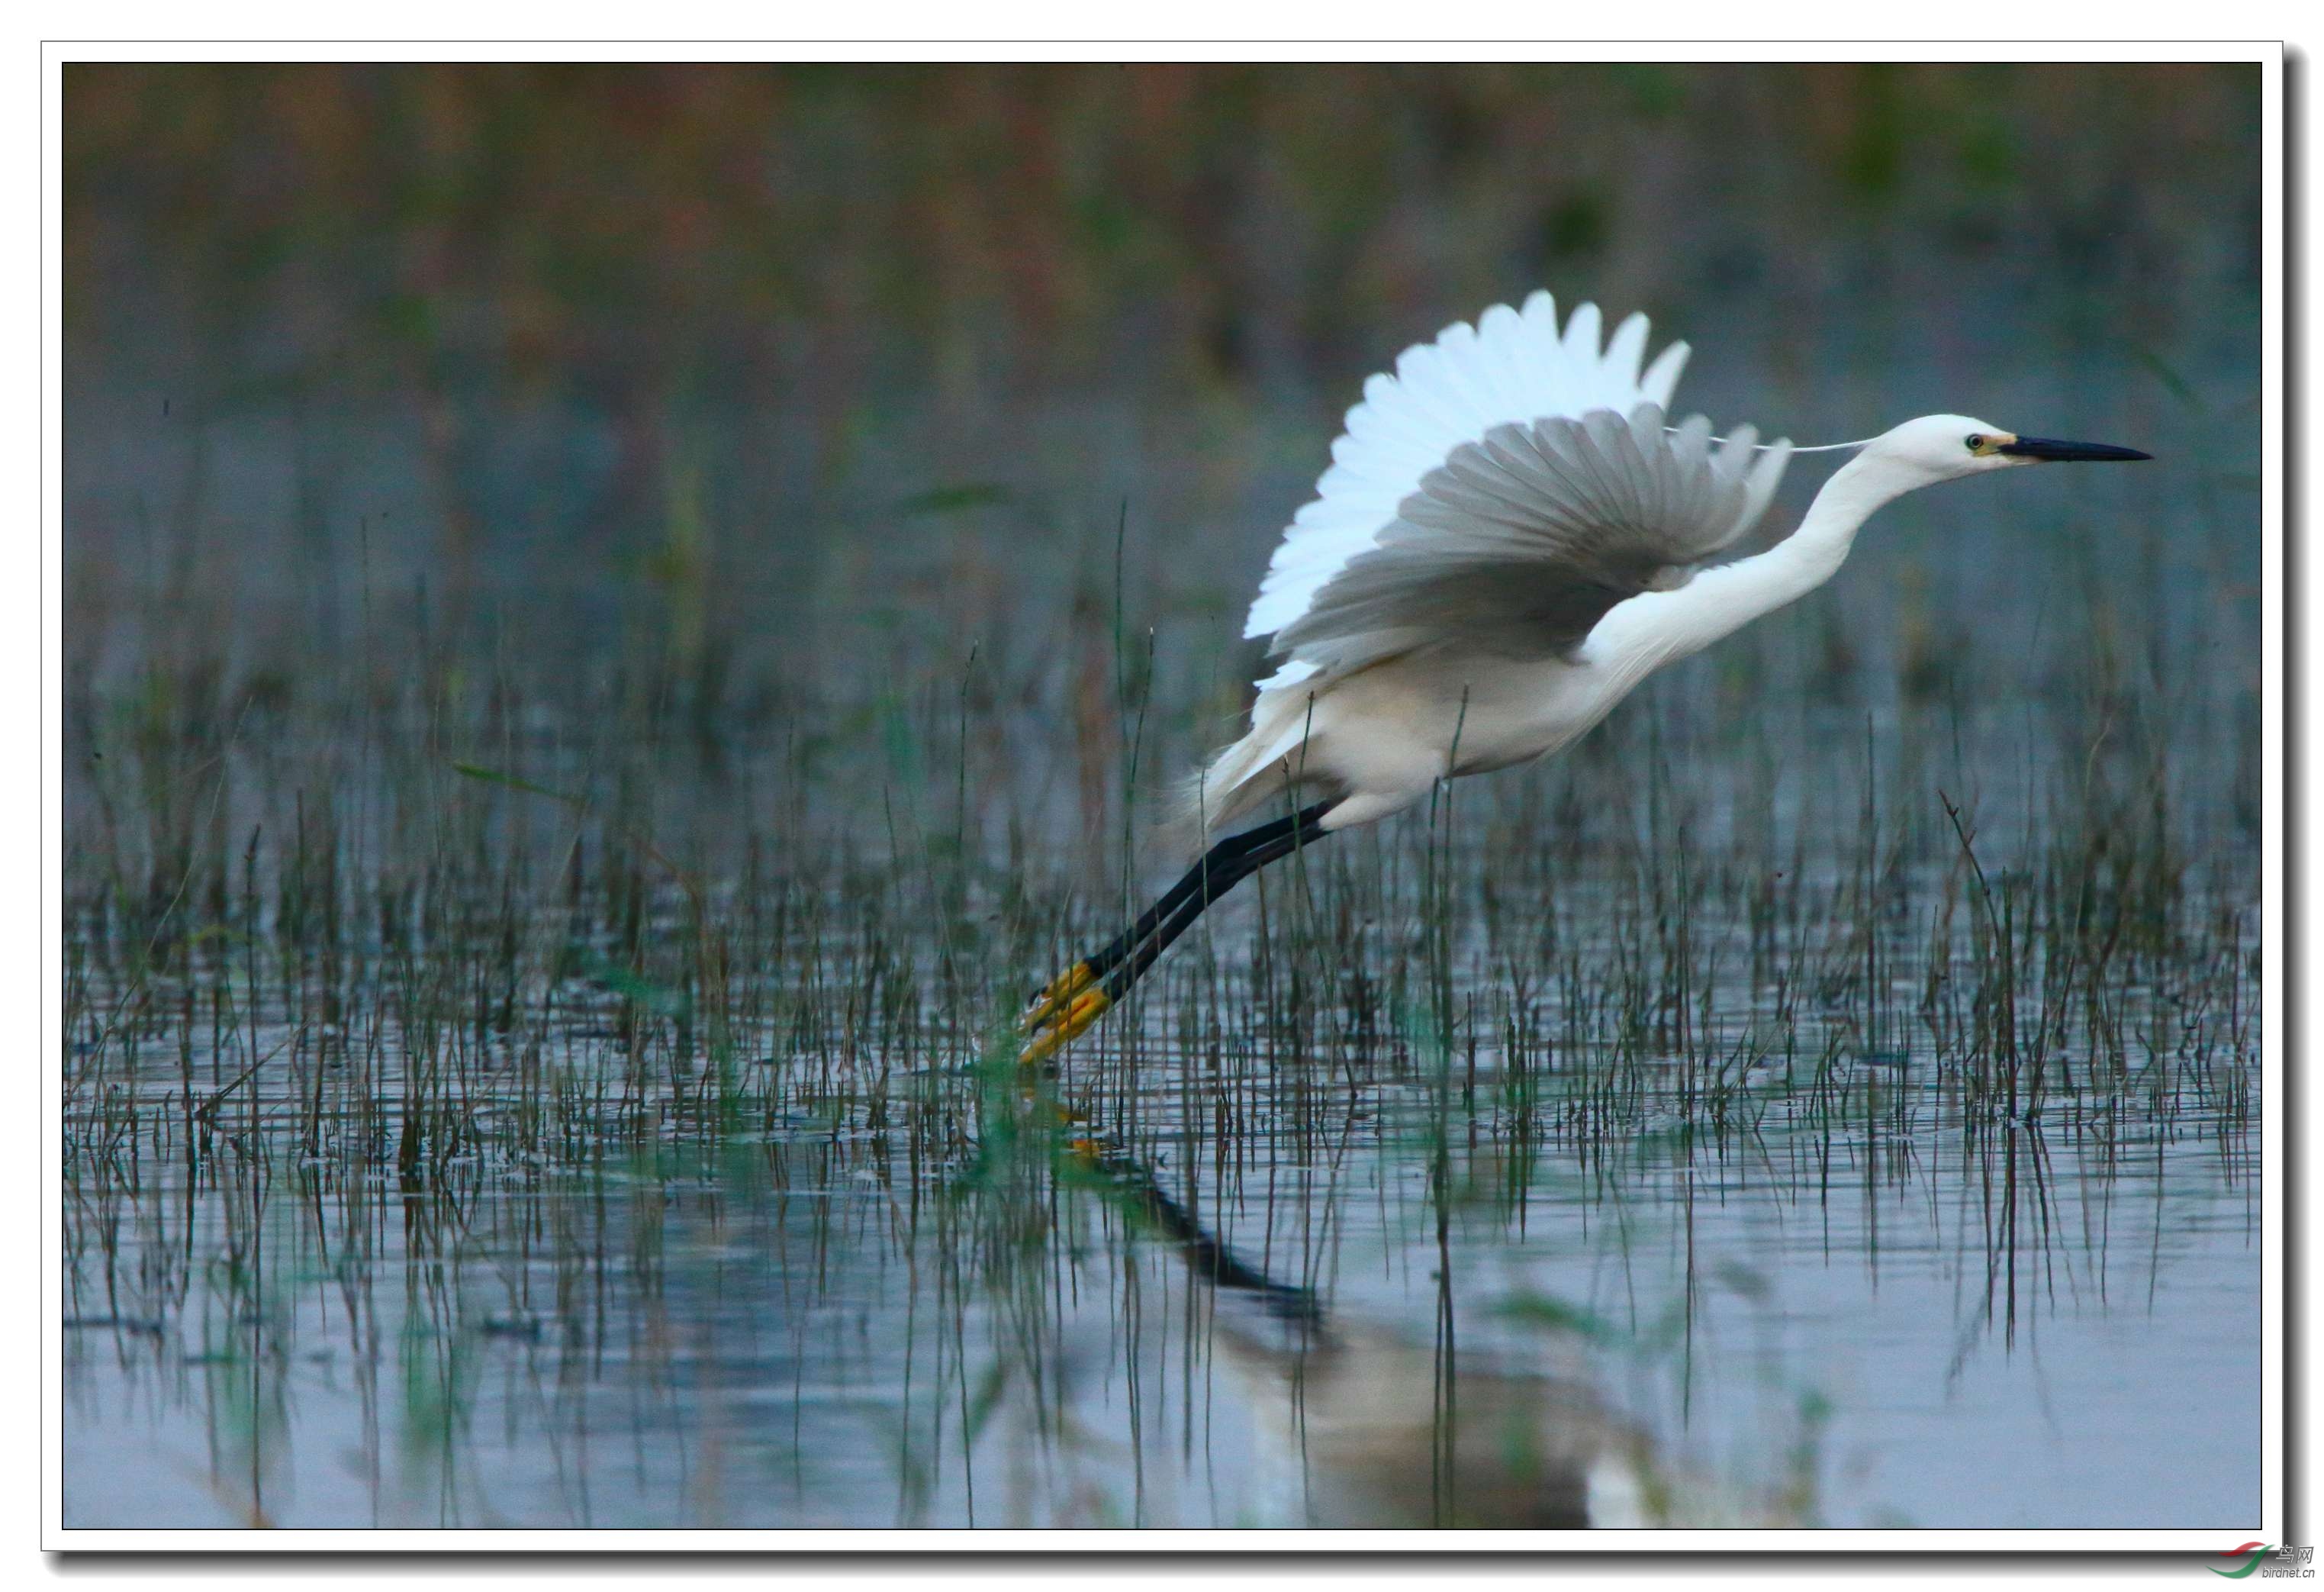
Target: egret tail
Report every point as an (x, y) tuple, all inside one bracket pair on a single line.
[(1081, 994)]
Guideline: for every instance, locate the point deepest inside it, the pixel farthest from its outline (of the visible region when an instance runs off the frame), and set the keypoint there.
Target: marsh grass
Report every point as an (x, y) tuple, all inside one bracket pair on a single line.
[(447, 975)]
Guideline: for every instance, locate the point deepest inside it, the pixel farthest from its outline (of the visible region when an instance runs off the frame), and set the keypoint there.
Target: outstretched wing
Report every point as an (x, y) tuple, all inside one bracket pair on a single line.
[(1506, 486)]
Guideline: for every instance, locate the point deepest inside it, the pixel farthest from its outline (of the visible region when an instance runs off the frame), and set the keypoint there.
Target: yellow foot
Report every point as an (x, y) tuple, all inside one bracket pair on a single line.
[(1052, 1001), (1087, 1008), (1091, 1152)]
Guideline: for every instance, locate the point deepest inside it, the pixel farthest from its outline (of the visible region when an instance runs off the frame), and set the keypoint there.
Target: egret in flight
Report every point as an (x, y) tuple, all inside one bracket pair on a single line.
[(1510, 539)]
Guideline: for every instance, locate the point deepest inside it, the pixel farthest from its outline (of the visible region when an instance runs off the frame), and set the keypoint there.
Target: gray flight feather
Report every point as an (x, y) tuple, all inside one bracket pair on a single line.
[(1520, 541)]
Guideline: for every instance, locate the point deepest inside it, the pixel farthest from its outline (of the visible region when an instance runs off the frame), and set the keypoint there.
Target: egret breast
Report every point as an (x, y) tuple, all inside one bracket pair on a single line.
[(1388, 734)]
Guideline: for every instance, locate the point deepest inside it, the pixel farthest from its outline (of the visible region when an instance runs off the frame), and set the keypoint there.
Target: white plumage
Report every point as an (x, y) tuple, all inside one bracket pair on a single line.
[(1487, 505), (1510, 539), (1511, 367)]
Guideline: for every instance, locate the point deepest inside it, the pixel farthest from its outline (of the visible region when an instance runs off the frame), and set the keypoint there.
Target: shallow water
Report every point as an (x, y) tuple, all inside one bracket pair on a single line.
[(1565, 1270), (730, 1353)]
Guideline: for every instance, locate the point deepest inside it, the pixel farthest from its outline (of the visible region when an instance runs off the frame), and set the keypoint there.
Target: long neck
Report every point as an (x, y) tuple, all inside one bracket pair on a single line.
[(1661, 626)]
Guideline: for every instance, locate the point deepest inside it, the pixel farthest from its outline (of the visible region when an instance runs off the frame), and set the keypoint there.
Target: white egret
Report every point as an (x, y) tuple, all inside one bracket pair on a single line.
[(1510, 539)]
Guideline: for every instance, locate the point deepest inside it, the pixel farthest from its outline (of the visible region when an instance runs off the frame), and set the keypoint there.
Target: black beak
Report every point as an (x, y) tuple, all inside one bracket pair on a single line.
[(2050, 448)]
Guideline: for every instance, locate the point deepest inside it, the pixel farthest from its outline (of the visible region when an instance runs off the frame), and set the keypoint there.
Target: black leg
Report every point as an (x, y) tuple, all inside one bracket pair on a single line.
[(1212, 862), (1222, 880), (1076, 997)]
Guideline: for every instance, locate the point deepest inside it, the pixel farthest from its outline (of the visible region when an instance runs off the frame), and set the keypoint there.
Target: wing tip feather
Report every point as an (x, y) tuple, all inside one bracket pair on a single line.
[(1513, 358)]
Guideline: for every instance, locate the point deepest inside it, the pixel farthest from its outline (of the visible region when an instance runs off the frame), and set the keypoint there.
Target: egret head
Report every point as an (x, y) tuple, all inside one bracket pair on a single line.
[(1946, 447)]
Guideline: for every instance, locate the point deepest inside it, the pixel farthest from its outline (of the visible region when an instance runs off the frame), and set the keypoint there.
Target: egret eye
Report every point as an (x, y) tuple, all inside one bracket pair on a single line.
[(1977, 442)]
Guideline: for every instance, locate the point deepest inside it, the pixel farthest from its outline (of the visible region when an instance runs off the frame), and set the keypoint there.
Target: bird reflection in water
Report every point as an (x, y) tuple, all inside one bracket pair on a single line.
[(1357, 1426)]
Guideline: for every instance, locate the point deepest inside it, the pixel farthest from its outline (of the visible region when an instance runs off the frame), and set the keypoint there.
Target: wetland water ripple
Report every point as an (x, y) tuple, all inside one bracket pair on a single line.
[(1484, 1171)]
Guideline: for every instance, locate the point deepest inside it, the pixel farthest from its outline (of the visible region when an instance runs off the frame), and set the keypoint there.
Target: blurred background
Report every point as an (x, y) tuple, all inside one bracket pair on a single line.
[(739, 399)]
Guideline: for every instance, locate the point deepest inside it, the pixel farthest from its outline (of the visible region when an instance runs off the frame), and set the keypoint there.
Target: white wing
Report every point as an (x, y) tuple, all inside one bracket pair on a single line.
[(1508, 479)]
